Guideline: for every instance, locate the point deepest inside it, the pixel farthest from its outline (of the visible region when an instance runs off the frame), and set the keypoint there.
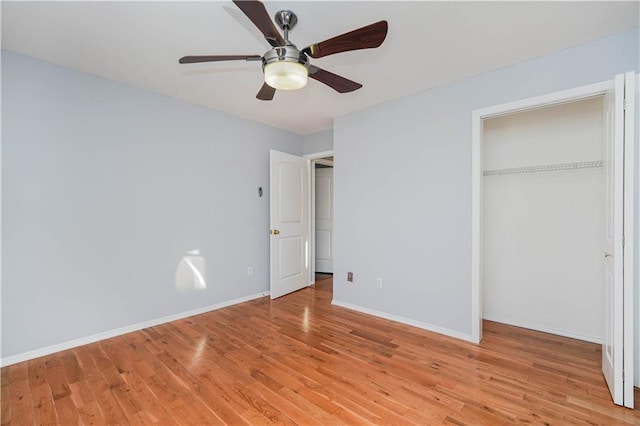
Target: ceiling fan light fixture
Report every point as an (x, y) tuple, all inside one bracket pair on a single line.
[(285, 68), (286, 75)]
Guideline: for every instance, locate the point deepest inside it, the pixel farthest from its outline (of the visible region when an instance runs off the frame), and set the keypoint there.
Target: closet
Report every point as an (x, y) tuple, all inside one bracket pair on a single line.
[(544, 219)]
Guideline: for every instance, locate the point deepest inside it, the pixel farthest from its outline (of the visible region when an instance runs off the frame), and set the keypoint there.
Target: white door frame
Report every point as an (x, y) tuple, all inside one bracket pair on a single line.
[(631, 186), (312, 209), (551, 99), (478, 116)]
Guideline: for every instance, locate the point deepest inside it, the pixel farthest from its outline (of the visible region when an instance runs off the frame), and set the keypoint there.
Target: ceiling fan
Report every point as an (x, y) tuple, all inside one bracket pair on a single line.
[(286, 67)]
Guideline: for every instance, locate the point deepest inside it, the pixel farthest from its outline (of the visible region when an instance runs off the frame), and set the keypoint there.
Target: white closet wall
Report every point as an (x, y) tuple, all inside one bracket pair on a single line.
[(543, 231)]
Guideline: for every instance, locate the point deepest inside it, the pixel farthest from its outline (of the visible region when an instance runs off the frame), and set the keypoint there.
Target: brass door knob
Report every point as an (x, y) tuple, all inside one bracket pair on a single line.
[(275, 232)]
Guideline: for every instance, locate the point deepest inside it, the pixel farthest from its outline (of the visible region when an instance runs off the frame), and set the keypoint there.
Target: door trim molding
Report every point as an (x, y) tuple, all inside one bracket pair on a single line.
[(316, 155), (478, 115), (629, 233)]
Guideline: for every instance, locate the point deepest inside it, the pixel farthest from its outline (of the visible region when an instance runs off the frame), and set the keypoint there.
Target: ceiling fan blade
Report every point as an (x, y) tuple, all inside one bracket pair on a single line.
[(336, 82), (217, 58), (266, 92), (257, 13), (363, 38)]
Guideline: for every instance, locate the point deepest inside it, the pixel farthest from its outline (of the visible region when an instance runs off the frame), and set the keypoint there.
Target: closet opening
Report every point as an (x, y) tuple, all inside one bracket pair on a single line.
[(544, 219)]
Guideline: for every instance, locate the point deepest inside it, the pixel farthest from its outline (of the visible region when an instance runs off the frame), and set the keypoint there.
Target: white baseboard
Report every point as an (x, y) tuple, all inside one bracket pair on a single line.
[(14, 359), (407, 321), (544, 329)]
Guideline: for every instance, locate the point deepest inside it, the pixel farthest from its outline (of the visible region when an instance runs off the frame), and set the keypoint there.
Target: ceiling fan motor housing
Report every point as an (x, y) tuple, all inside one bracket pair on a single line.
[(288, 53)]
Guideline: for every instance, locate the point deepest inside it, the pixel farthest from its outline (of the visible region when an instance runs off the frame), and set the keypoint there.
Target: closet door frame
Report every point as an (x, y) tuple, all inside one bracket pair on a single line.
[(565, 96)]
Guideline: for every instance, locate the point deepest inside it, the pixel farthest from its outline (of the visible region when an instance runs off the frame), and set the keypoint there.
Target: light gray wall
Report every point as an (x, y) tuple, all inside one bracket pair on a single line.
[(105, 188), (317, 142), (403, 188)]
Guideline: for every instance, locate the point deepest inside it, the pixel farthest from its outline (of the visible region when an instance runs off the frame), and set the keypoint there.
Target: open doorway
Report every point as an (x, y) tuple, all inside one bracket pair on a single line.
[(321, 221), (323, 217)]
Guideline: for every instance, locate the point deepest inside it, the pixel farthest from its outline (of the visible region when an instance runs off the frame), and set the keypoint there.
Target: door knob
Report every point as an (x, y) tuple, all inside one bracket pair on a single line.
[(275, 232), (607, 254)]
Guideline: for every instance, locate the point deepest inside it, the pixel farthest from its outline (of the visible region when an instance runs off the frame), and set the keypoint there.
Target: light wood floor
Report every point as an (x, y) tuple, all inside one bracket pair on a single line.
[(301, 360), (322, 276)]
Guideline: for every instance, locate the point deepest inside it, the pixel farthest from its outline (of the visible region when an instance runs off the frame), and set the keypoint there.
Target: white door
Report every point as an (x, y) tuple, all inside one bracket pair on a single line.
[(324, 220), (612, 346), (289, 217)]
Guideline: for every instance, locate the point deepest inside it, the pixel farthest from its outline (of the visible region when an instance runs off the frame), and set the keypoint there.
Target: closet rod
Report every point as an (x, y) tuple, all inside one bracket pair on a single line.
[(545, 168)]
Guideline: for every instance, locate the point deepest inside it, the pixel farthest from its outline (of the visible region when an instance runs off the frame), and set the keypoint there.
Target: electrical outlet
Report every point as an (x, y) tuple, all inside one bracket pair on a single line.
[(350, 277), (379, 282), (250, 271)]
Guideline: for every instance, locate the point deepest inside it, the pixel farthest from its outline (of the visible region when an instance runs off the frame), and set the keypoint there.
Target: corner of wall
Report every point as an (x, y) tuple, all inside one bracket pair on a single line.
[(317, 142)]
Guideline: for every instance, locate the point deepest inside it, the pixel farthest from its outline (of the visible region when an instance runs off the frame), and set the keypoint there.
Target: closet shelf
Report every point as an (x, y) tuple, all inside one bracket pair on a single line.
[(545, 168)]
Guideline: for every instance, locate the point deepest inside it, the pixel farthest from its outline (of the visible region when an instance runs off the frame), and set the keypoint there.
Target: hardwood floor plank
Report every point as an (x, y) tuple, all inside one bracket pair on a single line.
[(284, 381), (150, 405), (90, 414), (17, 372), (255, 401), (109, 407), (36, 372), (121, 392), (85, 360), (82, 393), (4, 376), (66, 411), (100, 359), (226, 404), (312, 414), (300, 360), (71, 367), (20, 400), (43, 404), (5, 402)]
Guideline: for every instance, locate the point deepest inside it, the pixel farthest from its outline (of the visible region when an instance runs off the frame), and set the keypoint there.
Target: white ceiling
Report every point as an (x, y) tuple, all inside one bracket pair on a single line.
[(429, 44)]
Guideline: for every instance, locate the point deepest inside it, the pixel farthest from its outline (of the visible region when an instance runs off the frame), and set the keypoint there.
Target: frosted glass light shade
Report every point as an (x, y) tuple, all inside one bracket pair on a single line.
[(284, 75)]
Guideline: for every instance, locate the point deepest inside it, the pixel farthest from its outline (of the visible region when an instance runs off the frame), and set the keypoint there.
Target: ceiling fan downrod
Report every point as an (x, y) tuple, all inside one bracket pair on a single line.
[(286, 20)]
